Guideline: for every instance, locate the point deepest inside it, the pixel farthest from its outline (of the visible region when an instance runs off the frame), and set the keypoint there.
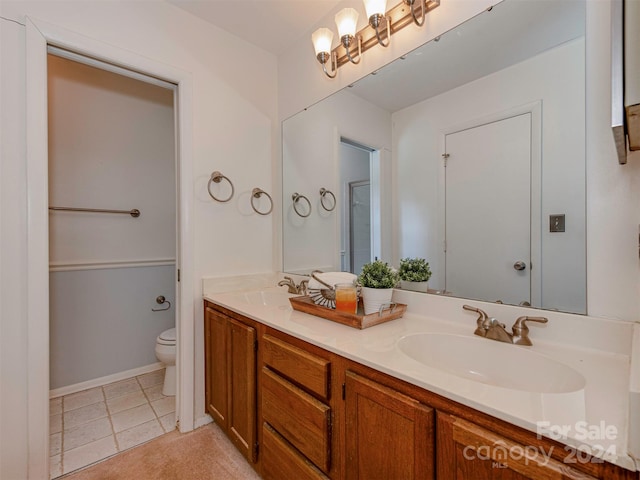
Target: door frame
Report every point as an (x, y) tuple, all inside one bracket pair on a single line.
[(39, 35), (352, 185), (535, 110)]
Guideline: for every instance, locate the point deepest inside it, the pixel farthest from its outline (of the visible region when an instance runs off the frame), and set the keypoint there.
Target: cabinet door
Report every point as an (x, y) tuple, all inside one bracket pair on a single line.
[(242, 387), (466, 451), (388, 434), (216, 366)]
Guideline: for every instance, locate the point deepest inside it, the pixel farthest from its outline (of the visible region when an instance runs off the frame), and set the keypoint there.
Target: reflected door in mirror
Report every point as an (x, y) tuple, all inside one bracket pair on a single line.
[(488, 227)]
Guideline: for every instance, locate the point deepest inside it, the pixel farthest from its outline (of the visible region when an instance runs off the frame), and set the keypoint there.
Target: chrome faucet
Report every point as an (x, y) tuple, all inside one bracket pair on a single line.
[(300, 289), (492, 329)]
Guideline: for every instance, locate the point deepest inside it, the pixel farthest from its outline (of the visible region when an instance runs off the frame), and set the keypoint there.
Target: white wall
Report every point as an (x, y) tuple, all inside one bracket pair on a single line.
[(613, 190), (556, 78), (311, 161), (111, 145), (13, 256), (235, 99)]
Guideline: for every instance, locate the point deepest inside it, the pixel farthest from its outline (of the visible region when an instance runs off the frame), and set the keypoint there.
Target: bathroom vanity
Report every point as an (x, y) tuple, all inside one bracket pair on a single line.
[(303, 397)]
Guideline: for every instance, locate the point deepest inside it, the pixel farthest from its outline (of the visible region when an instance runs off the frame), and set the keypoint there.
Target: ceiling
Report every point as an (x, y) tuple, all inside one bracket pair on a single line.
[(269, 24)]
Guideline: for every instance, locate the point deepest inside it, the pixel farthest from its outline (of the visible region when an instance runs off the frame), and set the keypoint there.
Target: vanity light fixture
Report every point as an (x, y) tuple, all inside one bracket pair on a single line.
[(376, 13), (322, 39), (412, 4), (404, 13), (347, 20)]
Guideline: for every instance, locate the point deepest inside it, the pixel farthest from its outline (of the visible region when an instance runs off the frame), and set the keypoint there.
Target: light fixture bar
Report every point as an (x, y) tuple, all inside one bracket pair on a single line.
[(400, 16)]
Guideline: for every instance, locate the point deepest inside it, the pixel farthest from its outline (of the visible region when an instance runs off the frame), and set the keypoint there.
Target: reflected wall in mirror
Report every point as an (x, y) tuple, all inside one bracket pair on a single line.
[(477, 147)]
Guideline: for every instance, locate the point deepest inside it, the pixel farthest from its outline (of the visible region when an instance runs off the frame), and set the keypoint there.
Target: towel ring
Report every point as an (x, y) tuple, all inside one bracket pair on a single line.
[(324, 192), (257, 193), (295, 197), (217, 177)]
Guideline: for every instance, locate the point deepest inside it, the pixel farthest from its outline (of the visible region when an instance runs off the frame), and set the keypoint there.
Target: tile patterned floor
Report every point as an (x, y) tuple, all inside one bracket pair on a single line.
[(94, 424)]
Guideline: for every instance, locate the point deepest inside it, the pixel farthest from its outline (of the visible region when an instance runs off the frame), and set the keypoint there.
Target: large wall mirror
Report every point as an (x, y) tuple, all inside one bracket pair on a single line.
[(468, 152)]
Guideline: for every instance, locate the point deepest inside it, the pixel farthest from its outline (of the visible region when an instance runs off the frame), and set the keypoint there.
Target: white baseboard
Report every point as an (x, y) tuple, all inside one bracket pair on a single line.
[(200, 421), (99, 382)]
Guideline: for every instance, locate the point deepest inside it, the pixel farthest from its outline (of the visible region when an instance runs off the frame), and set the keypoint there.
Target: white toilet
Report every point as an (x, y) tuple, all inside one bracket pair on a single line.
[(166, 353)]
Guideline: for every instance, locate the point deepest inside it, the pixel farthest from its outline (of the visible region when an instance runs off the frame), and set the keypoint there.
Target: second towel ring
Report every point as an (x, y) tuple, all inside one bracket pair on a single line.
[(323, 193), (257, 193), (295, 197), (217, 177)]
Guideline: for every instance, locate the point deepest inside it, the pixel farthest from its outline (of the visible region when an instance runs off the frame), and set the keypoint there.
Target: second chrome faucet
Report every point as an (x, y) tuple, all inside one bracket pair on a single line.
[(492, 329)]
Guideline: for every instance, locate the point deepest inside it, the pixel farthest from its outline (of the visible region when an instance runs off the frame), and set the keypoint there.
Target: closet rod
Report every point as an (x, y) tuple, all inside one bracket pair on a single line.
[(134, 213)]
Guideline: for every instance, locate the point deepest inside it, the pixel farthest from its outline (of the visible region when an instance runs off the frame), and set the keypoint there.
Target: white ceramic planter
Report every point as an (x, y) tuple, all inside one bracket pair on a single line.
[(414, 286), (374, 298)]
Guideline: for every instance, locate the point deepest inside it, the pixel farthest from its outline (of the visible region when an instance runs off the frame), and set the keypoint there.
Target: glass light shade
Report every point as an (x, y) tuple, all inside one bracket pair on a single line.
[(375, 6), (346, 20), (322, 40)]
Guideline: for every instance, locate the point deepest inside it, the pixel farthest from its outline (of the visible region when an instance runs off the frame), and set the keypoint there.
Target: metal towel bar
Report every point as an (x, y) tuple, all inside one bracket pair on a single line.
[(134, 213)]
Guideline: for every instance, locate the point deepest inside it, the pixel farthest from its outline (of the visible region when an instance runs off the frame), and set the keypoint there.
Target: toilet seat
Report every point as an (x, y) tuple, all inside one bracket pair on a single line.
[(168, 337)]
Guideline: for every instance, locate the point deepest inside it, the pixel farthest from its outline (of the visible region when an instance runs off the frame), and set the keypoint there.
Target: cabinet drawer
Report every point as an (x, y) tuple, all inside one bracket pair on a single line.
[(300, 418), (303, 368), (280, 460)]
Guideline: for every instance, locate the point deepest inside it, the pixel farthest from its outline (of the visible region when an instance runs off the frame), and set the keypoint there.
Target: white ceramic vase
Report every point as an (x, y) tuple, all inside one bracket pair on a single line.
[(374, 298), (414, 286)]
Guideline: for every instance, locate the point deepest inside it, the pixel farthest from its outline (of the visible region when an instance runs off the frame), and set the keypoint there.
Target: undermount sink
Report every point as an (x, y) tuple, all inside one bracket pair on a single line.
[(492, 363), (274, 298)]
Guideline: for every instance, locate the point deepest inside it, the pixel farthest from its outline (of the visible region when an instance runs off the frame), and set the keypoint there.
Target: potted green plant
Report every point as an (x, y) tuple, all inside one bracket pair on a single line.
[(378, 280), (414, 274)]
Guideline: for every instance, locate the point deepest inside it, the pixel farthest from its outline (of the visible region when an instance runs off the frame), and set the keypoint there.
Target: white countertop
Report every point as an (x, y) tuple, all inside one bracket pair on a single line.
[(600, 412)]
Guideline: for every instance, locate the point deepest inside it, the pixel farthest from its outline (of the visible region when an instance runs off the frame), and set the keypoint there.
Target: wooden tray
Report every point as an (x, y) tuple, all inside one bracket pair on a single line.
[(355, 320)]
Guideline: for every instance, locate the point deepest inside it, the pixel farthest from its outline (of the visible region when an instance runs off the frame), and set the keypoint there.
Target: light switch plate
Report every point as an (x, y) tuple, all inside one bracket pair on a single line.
[(556, 223)]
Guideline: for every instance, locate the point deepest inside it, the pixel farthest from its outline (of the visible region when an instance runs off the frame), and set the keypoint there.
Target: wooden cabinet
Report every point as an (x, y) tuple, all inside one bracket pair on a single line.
[(297, 418), (388, 434), (466, 450), (317, 415), (230, 372)]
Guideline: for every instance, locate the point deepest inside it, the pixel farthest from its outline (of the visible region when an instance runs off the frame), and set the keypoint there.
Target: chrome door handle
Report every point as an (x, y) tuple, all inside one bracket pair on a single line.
[(520, 266)]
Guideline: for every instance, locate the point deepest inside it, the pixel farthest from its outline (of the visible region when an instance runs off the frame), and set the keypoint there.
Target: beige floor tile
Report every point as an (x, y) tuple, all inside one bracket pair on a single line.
[(81, 399), (130, 418), (168, 422), (139, 434), (55, 423), (125, 402), (88, 454), (55, 406), (150, 379), (84, 414), (55, 466), (164, 405), (55, 444), (154, 393), (121, 388), (87, 433)]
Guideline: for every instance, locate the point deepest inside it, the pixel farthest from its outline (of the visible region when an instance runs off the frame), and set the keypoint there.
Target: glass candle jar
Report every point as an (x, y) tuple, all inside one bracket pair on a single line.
[(346, 297)]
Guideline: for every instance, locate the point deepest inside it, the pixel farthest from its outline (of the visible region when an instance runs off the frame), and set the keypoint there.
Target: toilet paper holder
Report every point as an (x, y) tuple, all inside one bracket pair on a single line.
[(160, 300)]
